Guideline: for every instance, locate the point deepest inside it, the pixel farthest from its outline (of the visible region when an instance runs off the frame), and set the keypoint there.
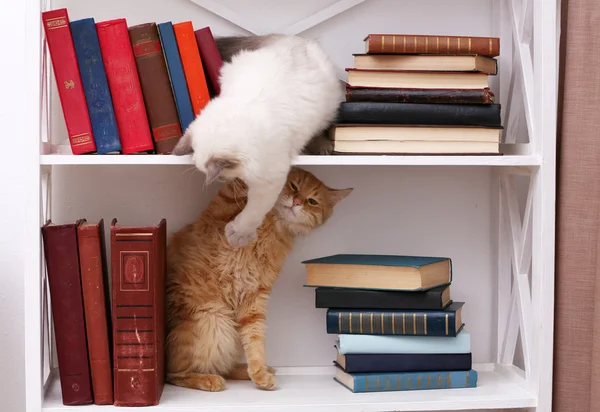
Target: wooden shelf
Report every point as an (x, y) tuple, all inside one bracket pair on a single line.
[(314, 390)]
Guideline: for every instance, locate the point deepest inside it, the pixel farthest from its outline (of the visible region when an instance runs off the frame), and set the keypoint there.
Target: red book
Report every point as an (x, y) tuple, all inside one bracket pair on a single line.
[(124, 85), (62, 262), (138, 256), (94, 284), (211, 58), (68, 81)]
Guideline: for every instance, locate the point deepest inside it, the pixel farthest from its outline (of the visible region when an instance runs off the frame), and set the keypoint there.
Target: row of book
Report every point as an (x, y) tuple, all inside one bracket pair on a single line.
[(130, 89), (418, 94), (109, 351), (398, 328)]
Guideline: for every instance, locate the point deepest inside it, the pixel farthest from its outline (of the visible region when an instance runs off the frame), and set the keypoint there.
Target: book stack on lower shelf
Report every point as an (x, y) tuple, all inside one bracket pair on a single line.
[(398, 328), (417, 94), (109, 351)]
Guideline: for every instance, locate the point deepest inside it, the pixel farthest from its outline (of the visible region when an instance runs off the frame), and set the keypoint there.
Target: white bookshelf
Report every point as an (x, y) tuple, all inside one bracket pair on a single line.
[(493, 215)]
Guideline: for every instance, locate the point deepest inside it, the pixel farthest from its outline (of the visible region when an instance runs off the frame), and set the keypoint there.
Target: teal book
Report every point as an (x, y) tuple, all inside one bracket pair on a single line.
[(445, 322), (406, 381), (379, 272), (387, 344)]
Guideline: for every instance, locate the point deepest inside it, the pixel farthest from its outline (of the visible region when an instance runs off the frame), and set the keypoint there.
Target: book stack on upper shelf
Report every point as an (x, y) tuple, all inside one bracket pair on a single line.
[(412, 94), (130, 89), (398, 328)]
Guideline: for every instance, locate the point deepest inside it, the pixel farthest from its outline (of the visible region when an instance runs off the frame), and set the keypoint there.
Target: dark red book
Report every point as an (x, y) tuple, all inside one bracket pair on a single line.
[(68, 81), (156, 87), (211, 58), (94, 284), (62, 262), (138, 257), (124, 85)]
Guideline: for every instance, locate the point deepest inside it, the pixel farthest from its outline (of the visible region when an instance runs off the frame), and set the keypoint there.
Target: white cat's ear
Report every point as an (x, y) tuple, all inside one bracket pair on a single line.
[(336, 196), (184, 146), (215, 165)]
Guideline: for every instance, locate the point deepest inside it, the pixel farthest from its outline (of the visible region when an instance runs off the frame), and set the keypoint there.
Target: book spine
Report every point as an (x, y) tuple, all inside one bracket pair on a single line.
[(402, 44), (441, 96), (211, 58), (124, 85), (483, 115), (430, 323), (68, 81), (95, 85), (342, 298), (383, 382), (62, 261), (192, 65), (138, 290), (156, 86), (400, 362), (378, 344), (94, 286), (180, 89)]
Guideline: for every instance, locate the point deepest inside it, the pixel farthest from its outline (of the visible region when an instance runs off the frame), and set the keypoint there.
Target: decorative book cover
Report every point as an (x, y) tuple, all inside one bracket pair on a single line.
[(124, 84), (441, 96), (94, 283), (192, 65), (95, 85), (68, 81), (62, 262), (422, 44), (180, 89), (446, 322), (403, 362), (138, 255), (211, 58), (156, 87)]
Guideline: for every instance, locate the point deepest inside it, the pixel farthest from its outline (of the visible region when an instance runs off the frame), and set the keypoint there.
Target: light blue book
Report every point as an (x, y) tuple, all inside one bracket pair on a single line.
[(381, 344)]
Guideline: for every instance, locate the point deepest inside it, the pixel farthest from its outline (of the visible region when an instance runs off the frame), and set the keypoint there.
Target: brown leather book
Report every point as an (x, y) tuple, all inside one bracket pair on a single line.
[(94, 283), (138, 255), (62, 262), (424, 44), (156, 86)]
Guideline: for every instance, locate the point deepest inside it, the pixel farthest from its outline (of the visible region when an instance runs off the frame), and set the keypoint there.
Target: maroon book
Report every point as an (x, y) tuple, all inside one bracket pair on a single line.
[(138, 257), (211, 58), (62, 262)]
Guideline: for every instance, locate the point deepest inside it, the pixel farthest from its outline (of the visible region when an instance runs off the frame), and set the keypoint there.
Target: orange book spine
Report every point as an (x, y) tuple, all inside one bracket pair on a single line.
[(192, 65), (420, 44)]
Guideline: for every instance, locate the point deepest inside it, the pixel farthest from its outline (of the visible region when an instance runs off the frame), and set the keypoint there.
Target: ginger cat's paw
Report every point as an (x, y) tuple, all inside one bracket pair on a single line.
[(239, 236), (212, 383), (240, 372), (264, 379)]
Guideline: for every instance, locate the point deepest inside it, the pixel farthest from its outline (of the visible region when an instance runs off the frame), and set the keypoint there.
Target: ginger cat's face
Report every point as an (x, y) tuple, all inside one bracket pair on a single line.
[(305, 203)]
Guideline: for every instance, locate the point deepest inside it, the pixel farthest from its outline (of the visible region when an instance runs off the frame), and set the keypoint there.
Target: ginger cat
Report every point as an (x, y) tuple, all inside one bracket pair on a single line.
[(217, 293)]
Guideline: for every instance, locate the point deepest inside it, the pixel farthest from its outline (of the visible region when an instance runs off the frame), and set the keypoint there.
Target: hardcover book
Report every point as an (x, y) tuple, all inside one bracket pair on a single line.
[(417, 79), (423, 44), (426, 62), (211, 58), (441, 96)]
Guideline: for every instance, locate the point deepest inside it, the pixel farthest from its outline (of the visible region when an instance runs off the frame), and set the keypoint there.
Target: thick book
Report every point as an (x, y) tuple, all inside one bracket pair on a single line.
[(403, 362), (423, 44), (406, 381), (441, 96), (417, 79), (94, 284), (399, 147), (138, 255), (156, 87), (426, 62), (374, 272), (445, 322), (68, 81), (95, 85), (433, 299), (375, 344), (211, 58), (486, 115), (124, 84), (62, 262), (192, 65), (176, 74)]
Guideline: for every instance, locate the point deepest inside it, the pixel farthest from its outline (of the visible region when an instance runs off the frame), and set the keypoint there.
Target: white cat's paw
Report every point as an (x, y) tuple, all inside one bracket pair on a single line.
[(237, 236)]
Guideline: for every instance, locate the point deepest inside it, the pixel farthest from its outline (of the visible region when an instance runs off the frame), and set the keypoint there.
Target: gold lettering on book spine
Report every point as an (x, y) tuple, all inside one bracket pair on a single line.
[(446, 323), (382, 43), (490, 42), (449, 381), (437, 44), (69, 84), (350, 322), (439, 381), (415, 49), (382, 327), (393, 44), (469, 45), (404, 44), (458, 44), (426, 44), (447, 44), (414, 323), (425, 323), (360, 322), (371, 319), (419, 382)]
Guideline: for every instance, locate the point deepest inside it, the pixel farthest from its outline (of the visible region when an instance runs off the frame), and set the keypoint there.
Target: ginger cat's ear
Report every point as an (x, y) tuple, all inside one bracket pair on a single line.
[(337, 195), (184, 146)]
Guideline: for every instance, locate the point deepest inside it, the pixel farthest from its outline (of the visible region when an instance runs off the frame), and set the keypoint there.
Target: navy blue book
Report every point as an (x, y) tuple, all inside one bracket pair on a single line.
[(178, 83), (95, 86)]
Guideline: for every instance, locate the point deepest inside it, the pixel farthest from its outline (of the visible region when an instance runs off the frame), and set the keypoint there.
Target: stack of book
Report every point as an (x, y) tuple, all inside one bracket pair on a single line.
[(412, 94), (130, 89), (398, 328)]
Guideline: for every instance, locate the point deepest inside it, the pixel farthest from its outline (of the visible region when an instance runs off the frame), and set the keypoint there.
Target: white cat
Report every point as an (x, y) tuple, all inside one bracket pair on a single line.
[(276, 95)]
